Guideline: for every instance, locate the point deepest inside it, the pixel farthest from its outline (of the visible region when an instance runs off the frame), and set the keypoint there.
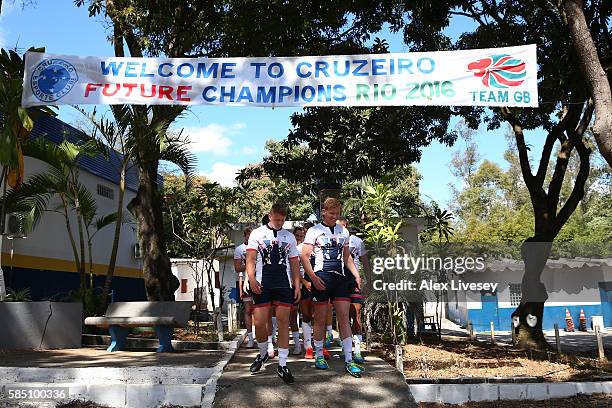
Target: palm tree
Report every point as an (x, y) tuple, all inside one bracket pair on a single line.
[(16, 123), (142, 139)]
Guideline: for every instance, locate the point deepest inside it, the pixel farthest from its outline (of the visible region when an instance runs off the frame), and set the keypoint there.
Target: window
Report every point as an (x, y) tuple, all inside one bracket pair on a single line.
[(183, 285), (515, 294), (105, 191)]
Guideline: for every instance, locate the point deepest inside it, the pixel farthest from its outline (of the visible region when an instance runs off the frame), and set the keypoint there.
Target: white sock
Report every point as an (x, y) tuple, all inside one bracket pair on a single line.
[(296, 338), (307, 330), (283, 353), (253, 329), (330, 331), (274, 327), (250, 334), (270, 345), (357, 341), (347, 348), (318, 348), (263, 348)]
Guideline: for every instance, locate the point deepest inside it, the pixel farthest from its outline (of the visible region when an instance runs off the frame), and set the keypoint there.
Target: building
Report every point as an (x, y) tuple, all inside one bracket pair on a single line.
[(574, 284), (43, 262)]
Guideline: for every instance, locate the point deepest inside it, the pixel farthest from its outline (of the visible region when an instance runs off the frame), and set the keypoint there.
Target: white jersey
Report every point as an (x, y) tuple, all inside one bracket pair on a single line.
[(328, 247), (299, 248), (274, 249), (240, 255), (357, 249)]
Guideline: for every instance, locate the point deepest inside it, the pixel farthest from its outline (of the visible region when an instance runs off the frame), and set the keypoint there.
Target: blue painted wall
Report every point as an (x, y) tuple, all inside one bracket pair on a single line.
[(45, 284), (552, 314)]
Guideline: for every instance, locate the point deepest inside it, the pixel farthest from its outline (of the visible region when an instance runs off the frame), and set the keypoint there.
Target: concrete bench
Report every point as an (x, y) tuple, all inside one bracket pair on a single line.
[(163, 316)]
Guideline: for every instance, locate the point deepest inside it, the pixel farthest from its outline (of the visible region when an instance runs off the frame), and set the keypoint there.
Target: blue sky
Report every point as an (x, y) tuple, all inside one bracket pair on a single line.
[(224, 138)]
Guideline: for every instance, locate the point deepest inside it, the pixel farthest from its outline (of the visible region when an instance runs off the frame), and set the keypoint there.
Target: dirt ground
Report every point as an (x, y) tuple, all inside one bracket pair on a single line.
[(465, 359)]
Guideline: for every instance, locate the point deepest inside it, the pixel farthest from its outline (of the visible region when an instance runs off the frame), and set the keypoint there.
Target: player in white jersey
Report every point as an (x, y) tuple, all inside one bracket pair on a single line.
[(329, 243), (298, 233), (245, 294), (359, 254), (273, 269)]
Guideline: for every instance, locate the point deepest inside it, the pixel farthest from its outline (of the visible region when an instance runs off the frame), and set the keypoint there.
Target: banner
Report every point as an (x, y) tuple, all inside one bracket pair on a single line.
[(487, 77)]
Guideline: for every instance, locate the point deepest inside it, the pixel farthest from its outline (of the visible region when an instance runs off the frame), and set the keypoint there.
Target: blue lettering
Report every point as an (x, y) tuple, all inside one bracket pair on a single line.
[(111, 66), (182, 74), (258, 66), (283, 92), (321, 68), (160, 70), (298, 69), (378, 67), (278, 74), (245, 93), (432, 65), (404, 64), (360, 65), (205, 94), (231, 94), (340, 93), (227, 70), (143, 70), (211, 71), (266, 97), (129, 67)]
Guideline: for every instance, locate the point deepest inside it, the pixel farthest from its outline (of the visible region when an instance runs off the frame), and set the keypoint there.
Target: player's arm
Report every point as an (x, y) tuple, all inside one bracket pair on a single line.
[(240, 268), (251, 260), (305, 258), (350, 264), (294, 264)]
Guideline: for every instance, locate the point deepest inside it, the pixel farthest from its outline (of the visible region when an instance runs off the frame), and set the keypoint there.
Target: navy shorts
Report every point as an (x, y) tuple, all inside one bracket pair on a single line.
[(274, 297), (337, 288)]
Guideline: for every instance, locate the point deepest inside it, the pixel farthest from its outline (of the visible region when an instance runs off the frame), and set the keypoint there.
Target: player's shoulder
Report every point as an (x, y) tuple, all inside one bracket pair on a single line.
[(342, 230), (257, 232), (287, 234)]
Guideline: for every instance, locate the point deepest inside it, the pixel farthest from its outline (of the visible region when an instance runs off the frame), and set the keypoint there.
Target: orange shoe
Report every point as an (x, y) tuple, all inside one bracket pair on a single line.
[(309, 354), (326, 354)]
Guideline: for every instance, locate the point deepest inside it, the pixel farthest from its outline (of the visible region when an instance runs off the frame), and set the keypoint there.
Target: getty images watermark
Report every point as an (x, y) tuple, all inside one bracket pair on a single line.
[(410, 273)]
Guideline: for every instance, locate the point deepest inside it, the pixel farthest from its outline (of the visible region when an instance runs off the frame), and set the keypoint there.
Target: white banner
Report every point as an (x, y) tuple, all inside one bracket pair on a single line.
[(487, 77)]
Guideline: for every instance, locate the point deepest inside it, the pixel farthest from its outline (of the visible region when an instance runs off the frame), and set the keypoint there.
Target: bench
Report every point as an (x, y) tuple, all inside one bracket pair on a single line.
[(163, 316)]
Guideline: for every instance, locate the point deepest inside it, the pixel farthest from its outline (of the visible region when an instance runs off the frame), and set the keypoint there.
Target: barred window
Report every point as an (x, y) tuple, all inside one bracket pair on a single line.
[(105, 191), (515, 294)]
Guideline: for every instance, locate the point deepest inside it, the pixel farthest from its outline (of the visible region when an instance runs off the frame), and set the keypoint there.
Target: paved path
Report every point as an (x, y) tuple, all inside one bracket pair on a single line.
[(380, 386)]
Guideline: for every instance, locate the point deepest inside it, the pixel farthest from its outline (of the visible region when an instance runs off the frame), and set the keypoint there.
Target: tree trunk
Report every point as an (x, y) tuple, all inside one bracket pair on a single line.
[(530, 312), (594, 75), (160, 283), (113, 258)]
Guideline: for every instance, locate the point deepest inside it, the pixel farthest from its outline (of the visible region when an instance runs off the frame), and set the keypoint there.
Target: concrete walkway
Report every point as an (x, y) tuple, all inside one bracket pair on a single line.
[(380, 386)]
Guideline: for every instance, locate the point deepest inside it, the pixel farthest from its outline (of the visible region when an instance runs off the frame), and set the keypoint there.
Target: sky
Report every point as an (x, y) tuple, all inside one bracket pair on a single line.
[(224, 139)]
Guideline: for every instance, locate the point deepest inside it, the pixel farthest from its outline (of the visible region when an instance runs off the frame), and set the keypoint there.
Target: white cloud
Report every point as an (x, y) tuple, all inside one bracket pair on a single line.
[(249, 150), (223, 173), (213, 138)]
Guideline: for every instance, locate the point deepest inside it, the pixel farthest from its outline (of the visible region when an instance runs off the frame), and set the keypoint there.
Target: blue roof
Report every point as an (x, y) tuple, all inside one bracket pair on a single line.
[(56, 131)]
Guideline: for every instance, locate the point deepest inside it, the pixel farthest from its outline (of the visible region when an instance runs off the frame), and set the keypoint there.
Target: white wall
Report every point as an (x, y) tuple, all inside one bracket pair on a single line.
[(50, 238)]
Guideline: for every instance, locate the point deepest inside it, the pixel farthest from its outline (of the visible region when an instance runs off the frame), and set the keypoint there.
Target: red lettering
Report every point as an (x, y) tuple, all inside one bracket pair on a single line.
[(165, 91), (181, 91), (90, 88), (130, 87), (142, 91), (107, 92)]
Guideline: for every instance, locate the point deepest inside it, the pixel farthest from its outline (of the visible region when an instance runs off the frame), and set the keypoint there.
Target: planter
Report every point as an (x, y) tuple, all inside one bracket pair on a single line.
[(40, 325)]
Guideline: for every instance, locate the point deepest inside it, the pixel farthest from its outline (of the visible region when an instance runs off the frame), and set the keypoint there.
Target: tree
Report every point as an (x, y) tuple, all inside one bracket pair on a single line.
[(565, 115), (16, 123), (597, 81), (178, 28)]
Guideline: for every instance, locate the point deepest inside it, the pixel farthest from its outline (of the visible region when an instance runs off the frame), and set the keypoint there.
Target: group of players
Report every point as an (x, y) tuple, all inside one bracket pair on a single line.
[(307, 272)]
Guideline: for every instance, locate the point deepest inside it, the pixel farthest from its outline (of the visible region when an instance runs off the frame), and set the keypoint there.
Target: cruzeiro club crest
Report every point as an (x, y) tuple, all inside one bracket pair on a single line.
[(52, 79), (499, 71)]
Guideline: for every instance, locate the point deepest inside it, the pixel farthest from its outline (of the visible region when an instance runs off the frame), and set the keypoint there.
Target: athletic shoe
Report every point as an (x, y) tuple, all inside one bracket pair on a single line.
[(297, 350), (328, 341), (326, 354), (256, 366), (358, 359), (321, 364), (309, 354), (285, 374), (353, 369)]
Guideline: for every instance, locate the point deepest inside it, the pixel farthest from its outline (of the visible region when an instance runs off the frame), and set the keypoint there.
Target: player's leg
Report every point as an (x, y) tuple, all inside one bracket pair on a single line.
[(329, 332), (306, 311), (342, 303), (248, 320), (356, 329), (261, 314), (271, 320), (295, 331), (283, 301)]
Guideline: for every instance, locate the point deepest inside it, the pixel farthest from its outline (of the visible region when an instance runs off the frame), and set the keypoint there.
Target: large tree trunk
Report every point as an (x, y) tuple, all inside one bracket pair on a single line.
[(594, 75), (527, 318), (160, 283)]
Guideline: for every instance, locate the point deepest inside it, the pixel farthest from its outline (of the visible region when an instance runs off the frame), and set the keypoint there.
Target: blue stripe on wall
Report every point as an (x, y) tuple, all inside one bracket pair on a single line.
[(552, 315), (45, 284)]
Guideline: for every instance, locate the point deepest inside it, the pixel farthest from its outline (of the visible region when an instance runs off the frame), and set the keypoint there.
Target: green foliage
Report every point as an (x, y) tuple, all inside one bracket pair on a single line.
[(92, 299), (22, 295)]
